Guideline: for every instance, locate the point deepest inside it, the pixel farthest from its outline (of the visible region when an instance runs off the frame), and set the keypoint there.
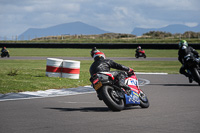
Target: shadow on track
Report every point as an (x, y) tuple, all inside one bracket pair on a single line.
[(86, 109), (91, 109)]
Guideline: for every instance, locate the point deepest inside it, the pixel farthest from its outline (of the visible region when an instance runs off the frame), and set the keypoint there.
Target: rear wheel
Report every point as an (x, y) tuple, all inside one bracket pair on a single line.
[(112, 99)]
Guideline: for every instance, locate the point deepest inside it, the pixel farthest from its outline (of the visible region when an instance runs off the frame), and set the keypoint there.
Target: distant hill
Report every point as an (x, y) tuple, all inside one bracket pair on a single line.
[(176, 28), (62, 29)]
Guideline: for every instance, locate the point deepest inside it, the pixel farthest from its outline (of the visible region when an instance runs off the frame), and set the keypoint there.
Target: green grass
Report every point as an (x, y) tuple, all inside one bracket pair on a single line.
[(86, 52), (30, 74), (66, 52)]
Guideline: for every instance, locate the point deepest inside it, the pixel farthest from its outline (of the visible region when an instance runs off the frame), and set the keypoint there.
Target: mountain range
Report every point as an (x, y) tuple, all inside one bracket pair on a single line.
[(77, 28), (74, 28)]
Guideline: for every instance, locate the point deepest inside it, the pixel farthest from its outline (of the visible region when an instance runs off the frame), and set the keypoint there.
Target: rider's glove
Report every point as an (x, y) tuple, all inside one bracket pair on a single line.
[(131, 71)]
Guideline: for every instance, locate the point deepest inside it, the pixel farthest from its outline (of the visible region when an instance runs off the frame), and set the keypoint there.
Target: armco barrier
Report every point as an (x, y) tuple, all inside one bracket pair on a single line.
[(91, 45)]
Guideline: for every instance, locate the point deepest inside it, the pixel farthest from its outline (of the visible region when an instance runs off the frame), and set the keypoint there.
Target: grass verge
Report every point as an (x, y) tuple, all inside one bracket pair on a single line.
[(29, 75), (86, 52)]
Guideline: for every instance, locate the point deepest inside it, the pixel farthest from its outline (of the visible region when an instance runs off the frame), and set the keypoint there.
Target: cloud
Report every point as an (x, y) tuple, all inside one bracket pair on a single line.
[(111, 15), (191, 24)]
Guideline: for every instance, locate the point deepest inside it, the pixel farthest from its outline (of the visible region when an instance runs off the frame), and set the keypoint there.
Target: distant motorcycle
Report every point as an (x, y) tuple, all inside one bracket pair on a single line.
[(140, 53), (115, 97), (193, 68), (5, 54)]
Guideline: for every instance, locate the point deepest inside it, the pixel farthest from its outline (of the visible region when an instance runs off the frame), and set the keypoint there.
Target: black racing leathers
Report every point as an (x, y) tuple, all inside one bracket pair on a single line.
[(182, 53), (104, 65)]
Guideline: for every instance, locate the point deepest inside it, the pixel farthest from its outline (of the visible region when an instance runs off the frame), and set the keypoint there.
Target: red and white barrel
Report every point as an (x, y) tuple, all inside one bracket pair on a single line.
[(71, 69), (54, 67)]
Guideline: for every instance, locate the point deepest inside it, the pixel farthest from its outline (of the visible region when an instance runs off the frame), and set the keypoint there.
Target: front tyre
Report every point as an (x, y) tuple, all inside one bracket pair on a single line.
[(112, 99), (144, 102), (196, 75)]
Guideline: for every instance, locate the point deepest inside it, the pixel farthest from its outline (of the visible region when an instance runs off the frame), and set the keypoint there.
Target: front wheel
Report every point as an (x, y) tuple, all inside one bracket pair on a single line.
[(144, 102), (196, 75), (112, 99)]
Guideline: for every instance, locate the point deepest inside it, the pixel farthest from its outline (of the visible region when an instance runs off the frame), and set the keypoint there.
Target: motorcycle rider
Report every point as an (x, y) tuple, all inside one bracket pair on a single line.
[(4, 51), (139, 48), (184, 50), (101, 64)]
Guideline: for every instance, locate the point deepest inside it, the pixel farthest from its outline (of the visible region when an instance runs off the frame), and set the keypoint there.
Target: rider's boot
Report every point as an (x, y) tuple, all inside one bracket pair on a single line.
[(189, 76), (190, 79)]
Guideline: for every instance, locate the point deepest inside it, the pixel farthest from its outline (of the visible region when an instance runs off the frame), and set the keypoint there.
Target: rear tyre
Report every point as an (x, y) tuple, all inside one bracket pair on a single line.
[(112, 99)]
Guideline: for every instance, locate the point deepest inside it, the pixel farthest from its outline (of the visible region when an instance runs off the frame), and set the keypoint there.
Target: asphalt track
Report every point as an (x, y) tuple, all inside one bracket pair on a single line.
[(174, 108)]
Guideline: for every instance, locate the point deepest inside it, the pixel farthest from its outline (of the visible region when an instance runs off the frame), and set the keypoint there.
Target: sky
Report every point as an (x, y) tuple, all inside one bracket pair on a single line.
[(120, 16)]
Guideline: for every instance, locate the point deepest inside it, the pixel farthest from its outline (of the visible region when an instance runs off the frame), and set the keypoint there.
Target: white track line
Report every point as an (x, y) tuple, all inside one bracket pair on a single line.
[(151, 73)]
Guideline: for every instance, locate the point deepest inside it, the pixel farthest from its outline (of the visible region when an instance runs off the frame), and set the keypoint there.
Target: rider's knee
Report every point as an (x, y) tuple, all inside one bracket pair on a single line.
[(182, 70)]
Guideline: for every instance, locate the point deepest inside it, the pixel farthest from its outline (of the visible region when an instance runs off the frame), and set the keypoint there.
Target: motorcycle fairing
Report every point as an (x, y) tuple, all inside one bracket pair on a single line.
[(133, 83), (142, 51), (133, 98)]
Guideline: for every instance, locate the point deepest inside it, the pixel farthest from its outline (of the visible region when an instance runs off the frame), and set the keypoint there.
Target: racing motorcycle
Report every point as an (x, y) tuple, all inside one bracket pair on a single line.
[(140, 53), (5, 53), (192, 66), (117, 98)]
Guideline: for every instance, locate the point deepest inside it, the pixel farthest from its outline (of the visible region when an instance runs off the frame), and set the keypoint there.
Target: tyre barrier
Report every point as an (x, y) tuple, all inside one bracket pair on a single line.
[(71, 69), (62, 68), (54, 67)]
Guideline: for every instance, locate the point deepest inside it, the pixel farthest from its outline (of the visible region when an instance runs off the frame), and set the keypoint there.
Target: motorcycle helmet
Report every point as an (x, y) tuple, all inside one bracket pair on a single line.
[(93, 51), (183, 43), (139, 47), (97, 54)]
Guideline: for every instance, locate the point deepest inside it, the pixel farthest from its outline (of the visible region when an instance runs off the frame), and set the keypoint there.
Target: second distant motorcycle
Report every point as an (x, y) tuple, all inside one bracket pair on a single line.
[(140, 53)]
